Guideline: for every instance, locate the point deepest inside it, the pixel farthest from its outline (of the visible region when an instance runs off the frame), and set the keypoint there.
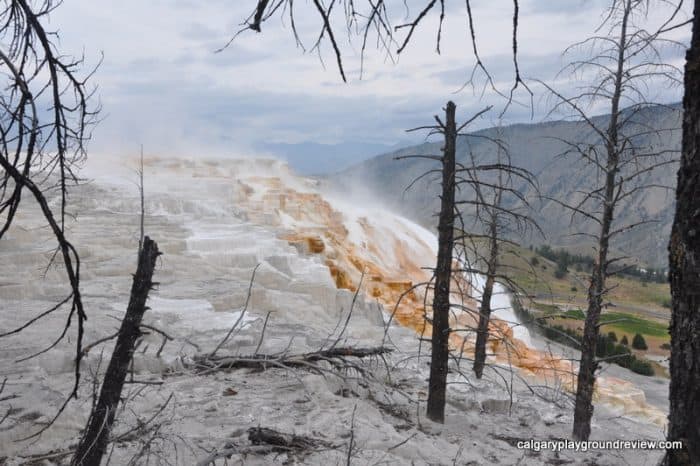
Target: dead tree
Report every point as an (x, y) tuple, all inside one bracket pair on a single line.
[(94, 442), (684, 264), (442, 274), (39, 149), (482, 331), (437, 385), (499, 212), (620, 153)]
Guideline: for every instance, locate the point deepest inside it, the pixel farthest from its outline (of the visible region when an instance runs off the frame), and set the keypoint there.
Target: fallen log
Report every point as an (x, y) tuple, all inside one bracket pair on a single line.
[(281, 441), (265, 441), (338, 357)]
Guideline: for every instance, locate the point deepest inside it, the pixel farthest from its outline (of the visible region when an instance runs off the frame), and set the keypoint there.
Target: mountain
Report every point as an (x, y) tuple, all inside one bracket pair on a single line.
[(538, 148)]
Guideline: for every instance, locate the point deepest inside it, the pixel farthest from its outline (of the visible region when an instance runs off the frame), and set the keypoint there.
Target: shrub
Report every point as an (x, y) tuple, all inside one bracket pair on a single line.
[(638, 342), (604, 346), (574, 289), (560, 334), (641, 367), (522, 313), (560, 272), (623, 356), (534, 261), (624, 340)]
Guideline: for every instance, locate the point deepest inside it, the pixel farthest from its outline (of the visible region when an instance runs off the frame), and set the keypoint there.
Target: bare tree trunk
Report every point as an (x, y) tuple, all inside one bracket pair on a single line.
[(583, 409), (684, 264), (443, 273), (482, 332), (94, 442)]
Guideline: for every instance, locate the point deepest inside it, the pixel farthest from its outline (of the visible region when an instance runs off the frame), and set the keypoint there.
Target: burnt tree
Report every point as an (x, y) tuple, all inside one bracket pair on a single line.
[(93, 444), (684, 265), (482, 331), (444, 270), (618, 155), (500, 212), (437, 384)]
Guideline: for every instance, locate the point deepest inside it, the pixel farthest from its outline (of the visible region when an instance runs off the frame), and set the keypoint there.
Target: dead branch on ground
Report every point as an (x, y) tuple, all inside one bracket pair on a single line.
[(265, 441), (337, 357)]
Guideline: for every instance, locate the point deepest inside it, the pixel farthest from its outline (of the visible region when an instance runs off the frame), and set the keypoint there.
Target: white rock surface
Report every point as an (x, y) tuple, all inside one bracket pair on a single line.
[(211, 245)]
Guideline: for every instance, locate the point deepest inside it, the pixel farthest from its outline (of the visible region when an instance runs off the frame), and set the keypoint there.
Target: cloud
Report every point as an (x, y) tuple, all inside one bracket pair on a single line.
[(563, 6), (501, 67), (161, 83)]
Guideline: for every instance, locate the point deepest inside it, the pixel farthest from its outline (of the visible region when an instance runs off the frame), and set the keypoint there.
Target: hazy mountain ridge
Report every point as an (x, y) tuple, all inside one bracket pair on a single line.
[(536, 147)]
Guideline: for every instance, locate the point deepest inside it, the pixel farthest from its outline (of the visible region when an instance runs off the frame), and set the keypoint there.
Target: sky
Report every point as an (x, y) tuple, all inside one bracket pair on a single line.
[(163, 84)]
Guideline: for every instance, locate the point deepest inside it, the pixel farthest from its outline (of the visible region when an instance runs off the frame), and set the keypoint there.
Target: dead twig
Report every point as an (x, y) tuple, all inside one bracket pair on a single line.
[(240, 317)]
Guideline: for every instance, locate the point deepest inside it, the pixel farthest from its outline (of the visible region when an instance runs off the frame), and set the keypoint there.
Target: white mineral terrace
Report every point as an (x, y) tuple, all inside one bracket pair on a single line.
[(215, 221)]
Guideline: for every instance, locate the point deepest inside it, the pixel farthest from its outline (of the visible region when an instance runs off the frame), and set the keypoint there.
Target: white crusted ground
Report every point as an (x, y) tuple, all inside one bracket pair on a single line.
[(210, 250)]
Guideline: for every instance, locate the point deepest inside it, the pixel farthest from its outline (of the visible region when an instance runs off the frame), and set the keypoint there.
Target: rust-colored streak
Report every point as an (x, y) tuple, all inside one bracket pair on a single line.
[(340, 277), (324, 233), (315, 245), (391, 268)]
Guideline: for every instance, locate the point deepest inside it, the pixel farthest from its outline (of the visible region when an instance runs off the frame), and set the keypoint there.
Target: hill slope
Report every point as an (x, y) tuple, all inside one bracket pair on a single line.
[(536, 147)]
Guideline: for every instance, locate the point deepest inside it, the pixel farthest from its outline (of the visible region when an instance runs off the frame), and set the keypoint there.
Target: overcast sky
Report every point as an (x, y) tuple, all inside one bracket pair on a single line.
[(162, 84)]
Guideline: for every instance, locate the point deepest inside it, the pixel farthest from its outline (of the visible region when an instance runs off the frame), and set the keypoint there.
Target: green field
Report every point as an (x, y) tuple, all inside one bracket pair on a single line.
[(638, 307), (621, 321), (634, 324), (574, 314), (539, 280)]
